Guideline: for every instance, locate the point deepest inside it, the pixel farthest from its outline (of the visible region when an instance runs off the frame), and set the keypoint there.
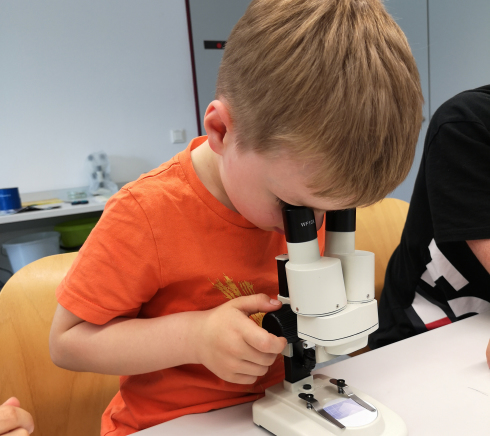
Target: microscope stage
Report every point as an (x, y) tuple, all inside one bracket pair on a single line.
[(283, 413)]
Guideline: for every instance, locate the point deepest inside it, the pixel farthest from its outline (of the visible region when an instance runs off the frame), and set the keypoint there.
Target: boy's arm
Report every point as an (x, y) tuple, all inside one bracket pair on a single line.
[(223, 339), (481, 249)]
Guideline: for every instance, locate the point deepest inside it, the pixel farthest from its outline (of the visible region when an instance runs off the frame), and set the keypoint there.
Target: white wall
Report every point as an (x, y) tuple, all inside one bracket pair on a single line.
[(411, 16), (79, 76), (459, 47)]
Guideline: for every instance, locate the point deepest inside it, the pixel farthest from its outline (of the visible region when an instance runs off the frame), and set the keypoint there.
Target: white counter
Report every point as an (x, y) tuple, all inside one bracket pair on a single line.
[(20, 224), (438, 382), (66, 209)]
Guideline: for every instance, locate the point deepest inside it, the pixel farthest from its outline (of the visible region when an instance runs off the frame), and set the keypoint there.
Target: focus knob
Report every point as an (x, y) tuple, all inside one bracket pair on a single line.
[(282, 323)]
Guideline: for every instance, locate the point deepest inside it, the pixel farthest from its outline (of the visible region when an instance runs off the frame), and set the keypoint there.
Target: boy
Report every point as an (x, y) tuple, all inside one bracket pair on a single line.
[(318, 104), (440, 272)]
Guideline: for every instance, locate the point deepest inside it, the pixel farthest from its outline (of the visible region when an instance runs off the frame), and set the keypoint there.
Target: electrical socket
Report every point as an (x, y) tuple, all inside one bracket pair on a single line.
[(177, 136)]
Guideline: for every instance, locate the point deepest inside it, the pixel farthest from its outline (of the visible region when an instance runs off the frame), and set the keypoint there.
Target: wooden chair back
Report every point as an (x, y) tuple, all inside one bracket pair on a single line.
[(62, 403), (378, 229)]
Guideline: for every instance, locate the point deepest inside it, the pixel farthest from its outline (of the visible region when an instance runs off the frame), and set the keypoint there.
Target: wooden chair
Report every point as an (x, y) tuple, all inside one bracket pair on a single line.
[(378, 229), (62, 403)]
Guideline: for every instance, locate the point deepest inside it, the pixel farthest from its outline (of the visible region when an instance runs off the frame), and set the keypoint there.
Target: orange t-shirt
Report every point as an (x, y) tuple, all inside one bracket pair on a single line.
[(163, 245)]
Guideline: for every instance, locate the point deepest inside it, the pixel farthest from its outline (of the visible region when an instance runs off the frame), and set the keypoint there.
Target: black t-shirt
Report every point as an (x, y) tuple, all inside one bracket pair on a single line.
[(433, 277)]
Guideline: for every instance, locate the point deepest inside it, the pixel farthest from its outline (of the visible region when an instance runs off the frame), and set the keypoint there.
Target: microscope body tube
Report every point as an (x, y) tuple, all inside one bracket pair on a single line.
[(340, 242), (316, 285), (316, 288), (357, 265)]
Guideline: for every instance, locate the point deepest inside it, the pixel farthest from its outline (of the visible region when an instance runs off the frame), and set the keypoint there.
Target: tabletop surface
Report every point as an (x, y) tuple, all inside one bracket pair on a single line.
[(62, 209), (438, 382), (65, 208)]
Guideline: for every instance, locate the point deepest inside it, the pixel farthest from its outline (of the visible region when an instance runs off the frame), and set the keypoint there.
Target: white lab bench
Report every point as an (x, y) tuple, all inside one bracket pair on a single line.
[(438, 382), (12, 226), (65, 210)]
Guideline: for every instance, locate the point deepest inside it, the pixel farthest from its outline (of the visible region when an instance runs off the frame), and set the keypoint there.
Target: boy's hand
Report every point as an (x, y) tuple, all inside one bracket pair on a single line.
[(15, 421), (233, 346)]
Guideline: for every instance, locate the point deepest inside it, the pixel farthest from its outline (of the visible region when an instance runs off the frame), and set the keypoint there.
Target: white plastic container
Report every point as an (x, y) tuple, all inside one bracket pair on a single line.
[(28, 248)]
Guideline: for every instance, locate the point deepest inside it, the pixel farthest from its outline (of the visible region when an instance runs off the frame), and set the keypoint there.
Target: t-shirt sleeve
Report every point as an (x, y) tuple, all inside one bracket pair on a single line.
[(117, 269), (458, 181)]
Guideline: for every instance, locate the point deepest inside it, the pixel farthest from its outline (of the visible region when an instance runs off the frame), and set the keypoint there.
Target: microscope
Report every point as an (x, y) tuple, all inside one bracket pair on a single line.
[(328, 310)]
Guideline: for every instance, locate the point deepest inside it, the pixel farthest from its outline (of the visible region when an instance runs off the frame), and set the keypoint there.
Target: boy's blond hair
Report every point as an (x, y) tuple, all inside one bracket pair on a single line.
[(334, 83)]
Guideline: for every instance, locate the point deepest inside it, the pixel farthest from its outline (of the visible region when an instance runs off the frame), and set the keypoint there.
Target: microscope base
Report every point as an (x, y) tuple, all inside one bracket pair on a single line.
[(283, 413)]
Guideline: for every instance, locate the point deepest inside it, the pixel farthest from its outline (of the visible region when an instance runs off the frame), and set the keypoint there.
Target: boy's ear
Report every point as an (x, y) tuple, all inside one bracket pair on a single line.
[(217, 123)]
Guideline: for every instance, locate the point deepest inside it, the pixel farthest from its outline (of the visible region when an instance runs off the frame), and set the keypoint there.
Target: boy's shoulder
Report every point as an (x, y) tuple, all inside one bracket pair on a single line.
[(163, 185), (470, 106), (172, 185), (170, 176), (164, 176), (174, 178), (465, 115)]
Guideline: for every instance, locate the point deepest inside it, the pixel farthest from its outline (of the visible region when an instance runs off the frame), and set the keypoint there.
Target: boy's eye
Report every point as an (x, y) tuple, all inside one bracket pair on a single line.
[(280, 202)]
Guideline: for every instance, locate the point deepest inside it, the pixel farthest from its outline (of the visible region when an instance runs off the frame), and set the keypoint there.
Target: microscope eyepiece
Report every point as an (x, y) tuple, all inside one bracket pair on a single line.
[(299, 223), (340, 220)]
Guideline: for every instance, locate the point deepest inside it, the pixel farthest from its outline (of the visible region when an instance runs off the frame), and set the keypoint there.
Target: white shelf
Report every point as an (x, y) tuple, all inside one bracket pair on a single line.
[(66, 209)]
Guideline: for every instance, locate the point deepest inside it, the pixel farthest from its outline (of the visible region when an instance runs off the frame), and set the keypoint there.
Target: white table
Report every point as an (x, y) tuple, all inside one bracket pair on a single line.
[(438, 382), (15, 225), (64, 209)]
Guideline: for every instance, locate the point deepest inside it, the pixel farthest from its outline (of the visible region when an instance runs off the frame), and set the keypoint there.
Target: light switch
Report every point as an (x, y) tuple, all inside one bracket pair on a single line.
[(177, 136)]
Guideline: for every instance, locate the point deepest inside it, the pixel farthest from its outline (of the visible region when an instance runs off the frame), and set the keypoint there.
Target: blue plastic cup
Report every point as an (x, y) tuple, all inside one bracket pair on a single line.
[(9, 200)]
